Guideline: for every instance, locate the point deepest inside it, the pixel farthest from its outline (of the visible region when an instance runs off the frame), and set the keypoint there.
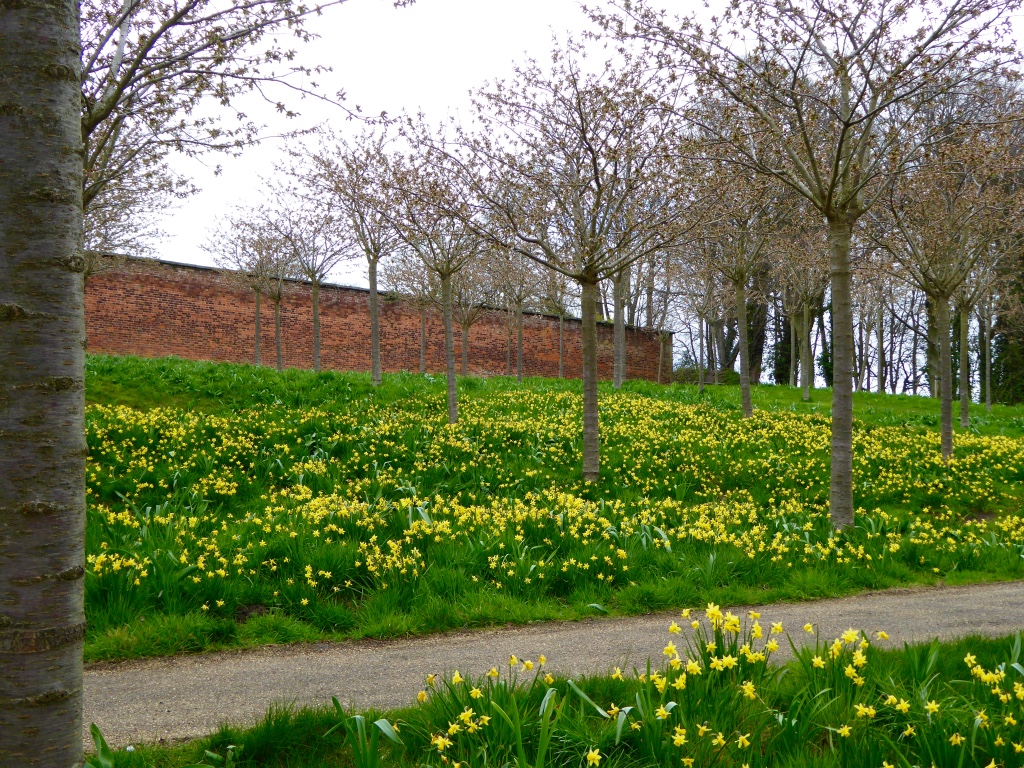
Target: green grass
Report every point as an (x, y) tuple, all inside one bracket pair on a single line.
[(792, 716), (331, 509)]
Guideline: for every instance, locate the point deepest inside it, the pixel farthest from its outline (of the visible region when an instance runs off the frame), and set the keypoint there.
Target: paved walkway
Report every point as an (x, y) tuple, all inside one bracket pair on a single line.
[(186, 696)]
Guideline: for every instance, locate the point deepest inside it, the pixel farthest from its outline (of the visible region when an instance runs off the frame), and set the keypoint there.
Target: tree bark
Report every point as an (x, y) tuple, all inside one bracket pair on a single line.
[(277, 335), (316, 325), (793, 356), (945, 374), (561, 347), (965, 369), (375, 376), (741, 323), (449, 349), (519, 343), (913, 361), (932, 352), (591, 437), (840, 235), (42, 386), (256, 351), (986, 322), (423, 340), (700, 362), (806, 365), (880, 341), (619, 330)]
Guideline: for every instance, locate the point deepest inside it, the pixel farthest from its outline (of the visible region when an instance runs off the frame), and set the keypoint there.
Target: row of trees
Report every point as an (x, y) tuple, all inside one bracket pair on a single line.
[(852, 171)]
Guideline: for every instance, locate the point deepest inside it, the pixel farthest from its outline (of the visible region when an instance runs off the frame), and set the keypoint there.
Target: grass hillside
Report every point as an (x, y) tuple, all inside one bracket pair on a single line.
[(230, 505)]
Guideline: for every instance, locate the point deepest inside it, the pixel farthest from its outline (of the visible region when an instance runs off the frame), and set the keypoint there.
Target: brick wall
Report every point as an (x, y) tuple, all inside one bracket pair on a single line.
[(153, 309)]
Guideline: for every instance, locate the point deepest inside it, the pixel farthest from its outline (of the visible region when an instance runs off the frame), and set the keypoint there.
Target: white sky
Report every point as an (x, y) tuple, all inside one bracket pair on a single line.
[(427, 56)]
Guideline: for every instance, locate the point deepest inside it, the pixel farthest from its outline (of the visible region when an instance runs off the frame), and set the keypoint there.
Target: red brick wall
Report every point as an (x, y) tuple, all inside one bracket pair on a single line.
[(154, 309)]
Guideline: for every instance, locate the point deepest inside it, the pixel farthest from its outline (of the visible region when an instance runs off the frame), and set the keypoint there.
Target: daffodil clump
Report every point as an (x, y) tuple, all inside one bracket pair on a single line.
[(378, 517), (715, 698)]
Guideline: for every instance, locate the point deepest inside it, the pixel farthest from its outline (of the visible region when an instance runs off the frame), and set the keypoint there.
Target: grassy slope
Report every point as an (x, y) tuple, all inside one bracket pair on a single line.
[(226, 389), (222, 388)]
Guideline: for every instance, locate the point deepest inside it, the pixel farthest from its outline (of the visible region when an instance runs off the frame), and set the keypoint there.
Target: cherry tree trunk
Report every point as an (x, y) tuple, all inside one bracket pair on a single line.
[(840, 236), (449, 348), (965, 369), (945, 373), (880, 342), (741, 326), (701, 375), (375, 376), (588, 332), (42, 386), (986, 323), (793, 364), (806, 366)]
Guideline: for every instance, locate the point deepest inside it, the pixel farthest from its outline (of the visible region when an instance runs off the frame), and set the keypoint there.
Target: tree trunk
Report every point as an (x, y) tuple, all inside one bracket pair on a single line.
[(561, 347), (316, 325), (965, 369), (793, 356), (588, 331), (880, 341), (741, 326), (449, 349), (465, 349), (913, 356), (375, 376), (277, 335), (806, 364), (700, 361), (945, 374), (423, 339), (840, 235), (519, 343), (932, 353), (619, 330), (256, 351), (42, 386), (986, 321)]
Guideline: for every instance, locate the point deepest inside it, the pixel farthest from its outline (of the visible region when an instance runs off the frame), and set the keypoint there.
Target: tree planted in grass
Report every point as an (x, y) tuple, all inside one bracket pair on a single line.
[(42, 386), (581, 173), (355, 176), (426, 213), (315, 239), (946, 220)]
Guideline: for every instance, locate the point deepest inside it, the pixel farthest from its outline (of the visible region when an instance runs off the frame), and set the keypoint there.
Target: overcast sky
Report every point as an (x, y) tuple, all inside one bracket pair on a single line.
[(427, 56)]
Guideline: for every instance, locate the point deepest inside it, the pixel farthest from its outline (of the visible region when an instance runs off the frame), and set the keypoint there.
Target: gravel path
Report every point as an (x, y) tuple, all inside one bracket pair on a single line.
[(186, 696)]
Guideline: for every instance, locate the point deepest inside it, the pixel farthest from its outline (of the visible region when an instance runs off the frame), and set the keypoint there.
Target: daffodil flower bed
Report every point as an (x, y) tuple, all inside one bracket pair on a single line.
[(367, 517), (717, 699)]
